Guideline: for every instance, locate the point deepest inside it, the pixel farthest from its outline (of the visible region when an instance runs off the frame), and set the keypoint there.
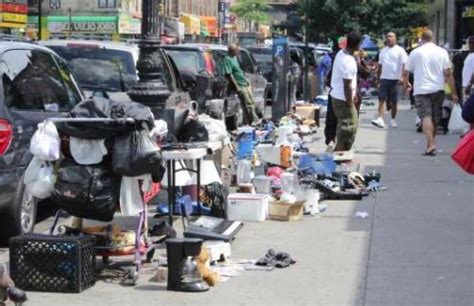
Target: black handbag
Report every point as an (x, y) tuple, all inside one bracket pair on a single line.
[(136, 154), (90, 192)]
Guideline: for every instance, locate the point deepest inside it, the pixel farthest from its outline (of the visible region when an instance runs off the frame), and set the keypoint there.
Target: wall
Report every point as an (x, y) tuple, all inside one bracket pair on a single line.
[(442, 14)]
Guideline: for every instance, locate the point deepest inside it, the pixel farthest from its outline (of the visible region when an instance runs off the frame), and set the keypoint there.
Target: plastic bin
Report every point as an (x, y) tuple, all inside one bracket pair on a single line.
[(247, 207), (53, 263)]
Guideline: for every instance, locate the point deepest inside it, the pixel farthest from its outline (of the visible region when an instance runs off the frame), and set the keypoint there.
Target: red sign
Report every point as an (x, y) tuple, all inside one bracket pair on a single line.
[(14, 8)]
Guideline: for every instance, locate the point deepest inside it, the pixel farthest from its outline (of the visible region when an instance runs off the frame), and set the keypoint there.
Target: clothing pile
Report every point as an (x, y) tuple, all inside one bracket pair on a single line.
[(88, 168)]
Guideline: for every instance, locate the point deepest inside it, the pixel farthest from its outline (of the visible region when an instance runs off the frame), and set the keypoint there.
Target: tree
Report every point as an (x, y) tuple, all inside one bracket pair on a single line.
[(251, 11), (329, 19)]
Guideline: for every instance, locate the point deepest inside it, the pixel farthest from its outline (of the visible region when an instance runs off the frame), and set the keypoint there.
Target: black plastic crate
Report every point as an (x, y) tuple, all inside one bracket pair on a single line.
[(53, 263)]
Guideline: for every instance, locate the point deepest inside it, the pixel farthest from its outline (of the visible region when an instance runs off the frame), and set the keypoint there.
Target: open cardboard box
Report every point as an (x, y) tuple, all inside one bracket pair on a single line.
[(282, 211)]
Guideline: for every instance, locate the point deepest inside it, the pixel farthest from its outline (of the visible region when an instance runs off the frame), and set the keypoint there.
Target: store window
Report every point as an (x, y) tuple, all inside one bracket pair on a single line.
[(107, 3)]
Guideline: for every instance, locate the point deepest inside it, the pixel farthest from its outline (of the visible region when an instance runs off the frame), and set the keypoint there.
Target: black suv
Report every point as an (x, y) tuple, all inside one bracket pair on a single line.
[(35, 84)]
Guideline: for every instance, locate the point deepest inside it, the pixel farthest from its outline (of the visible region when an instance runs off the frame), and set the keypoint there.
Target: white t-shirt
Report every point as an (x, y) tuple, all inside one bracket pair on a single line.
[(344, 67), (392, 60), (428, 64), (468, 70)]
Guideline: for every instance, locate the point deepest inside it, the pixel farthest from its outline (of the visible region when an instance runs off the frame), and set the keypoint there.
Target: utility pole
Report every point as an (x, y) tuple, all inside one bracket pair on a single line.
[(306, 55), (40, 15)]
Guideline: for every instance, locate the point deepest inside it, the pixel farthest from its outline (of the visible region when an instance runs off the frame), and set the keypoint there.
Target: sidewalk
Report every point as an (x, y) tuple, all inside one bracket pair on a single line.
[(415, 248)]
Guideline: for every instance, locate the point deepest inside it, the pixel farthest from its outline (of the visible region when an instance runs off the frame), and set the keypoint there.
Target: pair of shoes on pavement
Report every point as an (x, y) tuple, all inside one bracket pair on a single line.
[(379, 122)]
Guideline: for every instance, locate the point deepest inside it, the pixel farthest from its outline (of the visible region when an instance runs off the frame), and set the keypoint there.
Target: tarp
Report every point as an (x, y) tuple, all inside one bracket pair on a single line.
[(368, 43)]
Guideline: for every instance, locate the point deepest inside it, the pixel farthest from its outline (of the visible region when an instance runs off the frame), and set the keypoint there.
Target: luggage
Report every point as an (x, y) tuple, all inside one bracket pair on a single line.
[(90, 192)]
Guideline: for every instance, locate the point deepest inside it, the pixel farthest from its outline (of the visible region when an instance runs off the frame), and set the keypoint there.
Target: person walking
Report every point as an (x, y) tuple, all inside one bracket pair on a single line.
[(458, 63), (392, 60), (468, 70), (343, 93), (238, 83), (431, 67)]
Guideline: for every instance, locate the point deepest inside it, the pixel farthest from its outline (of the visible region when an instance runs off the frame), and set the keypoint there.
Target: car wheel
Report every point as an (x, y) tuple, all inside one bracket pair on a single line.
[(20, 218)]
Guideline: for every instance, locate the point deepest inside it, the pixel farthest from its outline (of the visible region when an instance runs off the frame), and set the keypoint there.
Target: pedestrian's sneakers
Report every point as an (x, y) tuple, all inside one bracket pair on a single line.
[(393, 124), (379, 123)]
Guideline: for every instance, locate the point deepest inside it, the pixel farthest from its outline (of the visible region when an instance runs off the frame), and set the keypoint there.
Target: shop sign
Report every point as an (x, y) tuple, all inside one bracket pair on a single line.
[(14, 8), (468, 12), (129, 25), (11, 17), (80, 24)]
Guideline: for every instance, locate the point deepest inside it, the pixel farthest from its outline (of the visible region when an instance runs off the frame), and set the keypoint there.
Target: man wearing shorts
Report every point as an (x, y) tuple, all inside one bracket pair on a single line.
[(343, 93), (392, 60), (431, 67)]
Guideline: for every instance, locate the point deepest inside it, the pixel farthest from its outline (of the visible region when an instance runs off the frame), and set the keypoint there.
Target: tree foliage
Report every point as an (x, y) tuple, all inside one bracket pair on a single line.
[(251, 11), (332, 18)]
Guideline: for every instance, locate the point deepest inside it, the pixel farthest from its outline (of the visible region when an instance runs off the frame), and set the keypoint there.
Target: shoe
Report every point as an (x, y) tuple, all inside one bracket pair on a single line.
[(379, 123), (330, 147), (393, 124)]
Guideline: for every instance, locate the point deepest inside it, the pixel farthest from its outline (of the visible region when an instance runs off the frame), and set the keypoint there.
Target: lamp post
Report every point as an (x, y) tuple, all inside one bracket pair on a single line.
[(150, 90)]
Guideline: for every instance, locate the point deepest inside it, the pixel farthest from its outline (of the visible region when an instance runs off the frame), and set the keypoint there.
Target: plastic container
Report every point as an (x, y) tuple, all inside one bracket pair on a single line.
[(244, 172), (53, 263), (247, 207), (262, 184), (289, 183), (245, 143)]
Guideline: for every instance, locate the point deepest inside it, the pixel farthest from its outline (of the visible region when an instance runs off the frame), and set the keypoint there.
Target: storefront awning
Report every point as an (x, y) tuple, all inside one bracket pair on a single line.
[(192, 24), (210, 23), (83, 24)]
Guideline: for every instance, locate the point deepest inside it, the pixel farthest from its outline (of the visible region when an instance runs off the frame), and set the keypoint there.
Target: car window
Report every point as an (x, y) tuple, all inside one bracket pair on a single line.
[(246, 62), (32, 80), (218, 57), (187, 60), (99, 68)]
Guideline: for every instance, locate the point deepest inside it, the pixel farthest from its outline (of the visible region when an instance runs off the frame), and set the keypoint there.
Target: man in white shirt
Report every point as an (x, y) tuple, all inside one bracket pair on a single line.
[(392, 60), (468, 74), (431, 67), (343, 93)]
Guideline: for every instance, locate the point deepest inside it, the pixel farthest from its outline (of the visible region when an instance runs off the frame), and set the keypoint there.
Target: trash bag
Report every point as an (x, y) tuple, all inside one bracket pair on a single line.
[(39, 178), (87, 152), (216, 128), (193, 131), (135, 154), (45, 143), (464, 153), (107, 109), (90, 192), (457, 125), (218, 195), (131, 200)]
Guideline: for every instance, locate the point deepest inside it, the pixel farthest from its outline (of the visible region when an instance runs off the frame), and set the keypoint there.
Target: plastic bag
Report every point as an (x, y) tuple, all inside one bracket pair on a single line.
[(464, 153), (45, 143), (216, 128), (87, 152), (39, 178), (457, 125), (131, 201), (136, 154)]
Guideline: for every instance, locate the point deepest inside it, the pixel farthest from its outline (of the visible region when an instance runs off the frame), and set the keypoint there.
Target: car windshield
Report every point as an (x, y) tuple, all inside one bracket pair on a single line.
[(262, 56), (187, 60), (99, 68)]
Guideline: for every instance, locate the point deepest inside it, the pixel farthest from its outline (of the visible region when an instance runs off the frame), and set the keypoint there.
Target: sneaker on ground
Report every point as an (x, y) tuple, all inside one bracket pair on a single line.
[(393, 124), (378, 122)]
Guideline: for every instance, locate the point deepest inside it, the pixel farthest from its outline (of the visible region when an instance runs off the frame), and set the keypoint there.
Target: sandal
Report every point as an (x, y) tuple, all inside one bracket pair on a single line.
[(431, 152)]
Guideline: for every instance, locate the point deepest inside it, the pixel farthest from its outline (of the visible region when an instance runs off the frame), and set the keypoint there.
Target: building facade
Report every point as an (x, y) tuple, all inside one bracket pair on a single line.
[(452, 21), (13, 16), (115, 18)]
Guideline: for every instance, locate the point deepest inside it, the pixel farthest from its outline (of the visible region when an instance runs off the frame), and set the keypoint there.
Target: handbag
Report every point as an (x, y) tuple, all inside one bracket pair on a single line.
[(136, 154), (90, 192), (464, 153)]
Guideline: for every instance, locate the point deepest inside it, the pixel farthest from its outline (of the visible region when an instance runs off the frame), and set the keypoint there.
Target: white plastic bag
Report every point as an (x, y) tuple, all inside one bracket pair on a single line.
[(131, 201), (457, 125), (216, 128), (45, 143), (39, 178), (87, 152)]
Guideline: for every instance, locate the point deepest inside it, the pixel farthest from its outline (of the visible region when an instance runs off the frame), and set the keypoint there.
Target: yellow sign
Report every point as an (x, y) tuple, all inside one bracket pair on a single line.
[(12, 25), (11, 17), (468, 12)]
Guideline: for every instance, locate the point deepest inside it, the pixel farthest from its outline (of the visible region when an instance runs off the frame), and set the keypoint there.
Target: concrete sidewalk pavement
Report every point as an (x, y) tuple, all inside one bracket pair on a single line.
[(415, 248)]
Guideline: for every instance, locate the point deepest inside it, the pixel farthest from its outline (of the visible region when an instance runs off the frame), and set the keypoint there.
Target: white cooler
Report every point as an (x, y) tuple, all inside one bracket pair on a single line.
[(247, 207)]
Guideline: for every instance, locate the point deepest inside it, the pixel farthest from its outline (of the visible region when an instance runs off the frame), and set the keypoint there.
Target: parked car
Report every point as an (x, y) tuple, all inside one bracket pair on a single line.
[(105, 68), (35, 84), (199, 72)]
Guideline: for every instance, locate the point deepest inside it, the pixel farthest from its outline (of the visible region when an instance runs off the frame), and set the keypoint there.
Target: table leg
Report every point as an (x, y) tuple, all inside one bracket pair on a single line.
[(170, 188), (198, 189)]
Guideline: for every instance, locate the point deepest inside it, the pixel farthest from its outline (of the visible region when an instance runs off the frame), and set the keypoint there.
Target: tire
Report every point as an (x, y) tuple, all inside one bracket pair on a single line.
[(20, 218)]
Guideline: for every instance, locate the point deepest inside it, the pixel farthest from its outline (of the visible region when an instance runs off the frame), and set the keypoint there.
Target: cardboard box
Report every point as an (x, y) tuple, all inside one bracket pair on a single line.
[(282, 211), (308, 112), (247, 207)]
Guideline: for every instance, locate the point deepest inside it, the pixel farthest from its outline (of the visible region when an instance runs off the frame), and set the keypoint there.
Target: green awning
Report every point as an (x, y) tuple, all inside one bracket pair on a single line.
[(83, 18)]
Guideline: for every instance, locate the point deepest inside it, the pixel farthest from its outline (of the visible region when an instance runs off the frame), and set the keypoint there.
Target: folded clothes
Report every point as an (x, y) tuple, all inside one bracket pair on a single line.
[(279, 260)]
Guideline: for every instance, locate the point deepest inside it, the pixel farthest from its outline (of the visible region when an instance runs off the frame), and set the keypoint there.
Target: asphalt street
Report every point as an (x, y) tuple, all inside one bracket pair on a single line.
[(414, 248)]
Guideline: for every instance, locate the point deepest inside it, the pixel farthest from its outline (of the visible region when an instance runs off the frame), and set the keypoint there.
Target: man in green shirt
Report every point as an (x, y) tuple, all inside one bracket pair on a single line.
[(237, 81)]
